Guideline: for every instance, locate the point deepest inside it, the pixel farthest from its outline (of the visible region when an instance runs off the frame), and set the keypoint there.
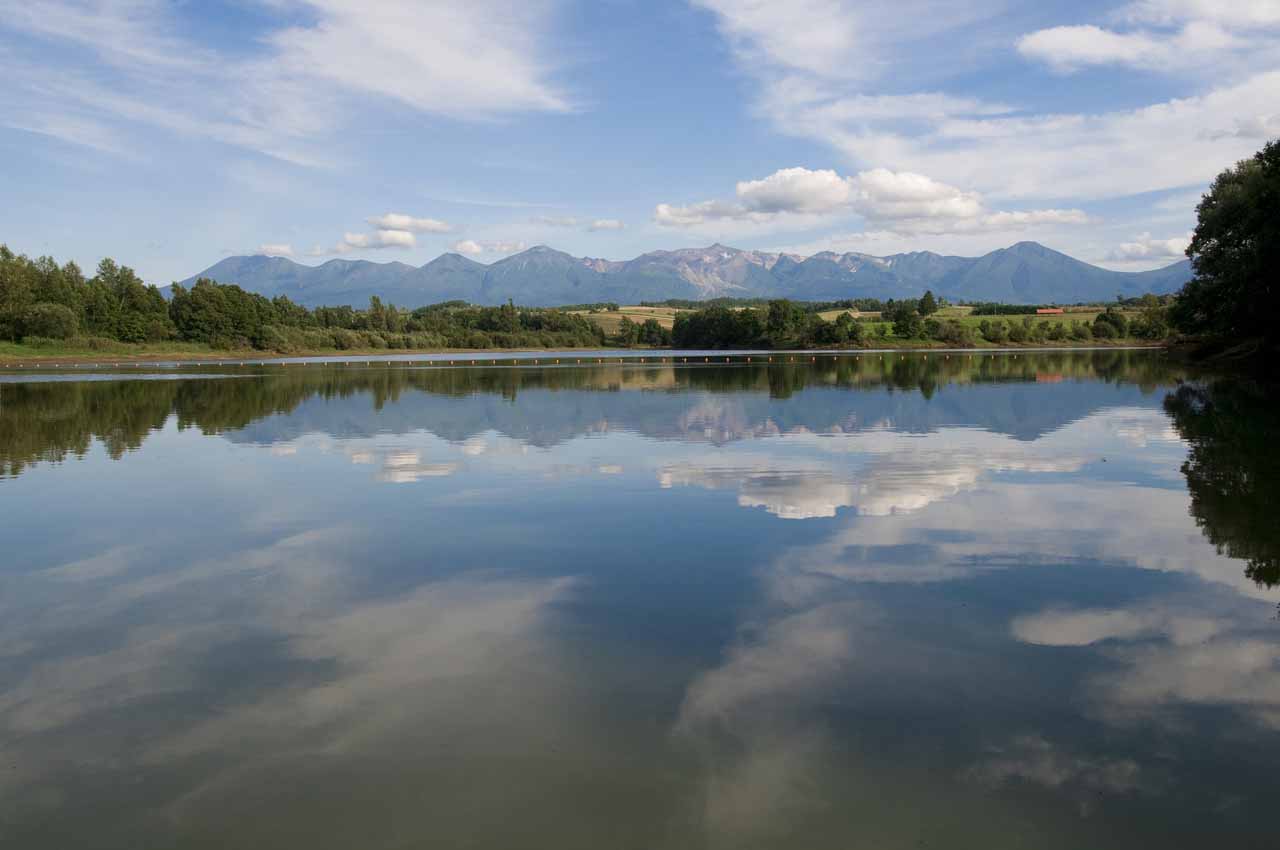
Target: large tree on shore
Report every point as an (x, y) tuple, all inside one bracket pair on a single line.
[(1235, 253)]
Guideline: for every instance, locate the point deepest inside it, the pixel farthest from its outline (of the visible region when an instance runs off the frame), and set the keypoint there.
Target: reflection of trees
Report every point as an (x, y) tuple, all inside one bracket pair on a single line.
[(48, 421), (1233, 471)]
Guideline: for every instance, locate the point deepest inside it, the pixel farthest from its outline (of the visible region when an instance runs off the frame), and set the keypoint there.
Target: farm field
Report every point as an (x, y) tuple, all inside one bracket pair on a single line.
[(665, 316), (610, 319)]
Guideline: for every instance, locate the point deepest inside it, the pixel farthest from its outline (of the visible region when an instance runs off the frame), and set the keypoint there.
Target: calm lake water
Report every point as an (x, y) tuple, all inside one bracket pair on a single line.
[(898, 601)]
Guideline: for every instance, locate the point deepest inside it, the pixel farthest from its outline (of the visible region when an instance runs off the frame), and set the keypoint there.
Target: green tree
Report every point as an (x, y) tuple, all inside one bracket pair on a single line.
[(928, 304), (907, 323), (786, 323), (653, 334), (628, 333), (16, 295), (1235, 252)]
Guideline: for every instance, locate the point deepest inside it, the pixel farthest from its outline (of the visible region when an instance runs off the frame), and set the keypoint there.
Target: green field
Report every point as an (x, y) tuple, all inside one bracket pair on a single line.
[(610, 319)]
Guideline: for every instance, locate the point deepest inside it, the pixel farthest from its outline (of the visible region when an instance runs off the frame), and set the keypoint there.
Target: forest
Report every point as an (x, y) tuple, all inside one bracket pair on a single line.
[(44, 303)]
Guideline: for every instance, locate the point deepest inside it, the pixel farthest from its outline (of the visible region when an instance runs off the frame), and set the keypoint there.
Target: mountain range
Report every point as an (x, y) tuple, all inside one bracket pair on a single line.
[(1025, 273)]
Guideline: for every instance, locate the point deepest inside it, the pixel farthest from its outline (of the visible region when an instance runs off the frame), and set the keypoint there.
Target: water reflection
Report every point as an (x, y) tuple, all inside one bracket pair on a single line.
[(898, 603), (49, 421), (1232, 471)]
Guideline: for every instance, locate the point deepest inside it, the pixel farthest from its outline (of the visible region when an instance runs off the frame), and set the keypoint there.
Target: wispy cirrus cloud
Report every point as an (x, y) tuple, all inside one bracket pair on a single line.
[(131, 65), (1009, 150)]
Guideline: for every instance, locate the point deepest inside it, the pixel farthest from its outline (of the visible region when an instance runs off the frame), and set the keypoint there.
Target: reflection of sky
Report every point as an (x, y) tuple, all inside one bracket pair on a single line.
[(756, 635)]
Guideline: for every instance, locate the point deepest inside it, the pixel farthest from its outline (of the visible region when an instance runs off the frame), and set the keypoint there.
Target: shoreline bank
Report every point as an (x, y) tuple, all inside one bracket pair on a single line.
[(10, 359)]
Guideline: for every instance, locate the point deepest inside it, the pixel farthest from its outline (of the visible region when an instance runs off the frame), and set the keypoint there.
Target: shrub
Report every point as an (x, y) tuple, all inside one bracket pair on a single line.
[(1118, 323), (345, 340), (994, 331), (53, 321), (950, 332)]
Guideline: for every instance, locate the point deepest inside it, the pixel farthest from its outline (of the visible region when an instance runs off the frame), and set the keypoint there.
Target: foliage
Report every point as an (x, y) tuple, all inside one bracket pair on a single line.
[(38, 298), (928, 304), (1110, 324), (1235, 252), (52, 321)]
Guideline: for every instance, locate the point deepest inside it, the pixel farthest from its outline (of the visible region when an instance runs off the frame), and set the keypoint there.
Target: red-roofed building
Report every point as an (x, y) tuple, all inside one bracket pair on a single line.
[(1049, 311)]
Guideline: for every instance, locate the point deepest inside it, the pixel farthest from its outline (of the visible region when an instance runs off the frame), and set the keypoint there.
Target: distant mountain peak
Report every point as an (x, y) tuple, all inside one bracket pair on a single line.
[(1026, 272)]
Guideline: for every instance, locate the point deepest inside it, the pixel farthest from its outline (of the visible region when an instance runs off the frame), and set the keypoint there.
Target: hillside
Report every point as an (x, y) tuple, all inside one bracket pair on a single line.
[(1025, 273)]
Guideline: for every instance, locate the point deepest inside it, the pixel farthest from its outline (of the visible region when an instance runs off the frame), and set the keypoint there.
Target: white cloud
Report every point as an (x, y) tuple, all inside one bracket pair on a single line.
[(1069, 48), (400, 221), (836, 39), (477, 248), (377, 240), (1144, 247), (474, 60), (1243, 13), (276, 249), (1000, 150), (901, 202), (380, 239), (797, 190), (556, 220), (606, 224)]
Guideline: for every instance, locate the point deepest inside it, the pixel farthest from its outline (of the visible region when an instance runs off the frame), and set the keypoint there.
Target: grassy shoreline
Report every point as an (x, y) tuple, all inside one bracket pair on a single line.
[(17, 354)]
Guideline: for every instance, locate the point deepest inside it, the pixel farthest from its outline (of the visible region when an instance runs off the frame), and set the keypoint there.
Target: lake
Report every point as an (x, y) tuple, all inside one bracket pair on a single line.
[(885, 600)]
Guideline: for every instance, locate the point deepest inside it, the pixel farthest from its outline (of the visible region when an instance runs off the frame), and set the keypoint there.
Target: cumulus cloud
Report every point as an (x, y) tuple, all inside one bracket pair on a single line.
[(276, 249), (475, 248), (797, 190), (893, 200), (606, 224), (375, 241), (400, 221), (556, 220), (1069, 48), (1144, 247)]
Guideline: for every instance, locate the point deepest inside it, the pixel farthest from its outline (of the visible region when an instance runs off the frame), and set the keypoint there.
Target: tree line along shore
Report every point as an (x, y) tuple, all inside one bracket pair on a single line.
[(48, 310)]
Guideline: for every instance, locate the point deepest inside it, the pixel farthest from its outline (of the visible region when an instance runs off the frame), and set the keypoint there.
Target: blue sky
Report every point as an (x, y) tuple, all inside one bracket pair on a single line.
[(171, 134)]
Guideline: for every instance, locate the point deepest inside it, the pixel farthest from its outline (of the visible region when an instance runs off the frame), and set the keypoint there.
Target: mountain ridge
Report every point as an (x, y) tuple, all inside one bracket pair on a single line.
[(1024, 273)]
